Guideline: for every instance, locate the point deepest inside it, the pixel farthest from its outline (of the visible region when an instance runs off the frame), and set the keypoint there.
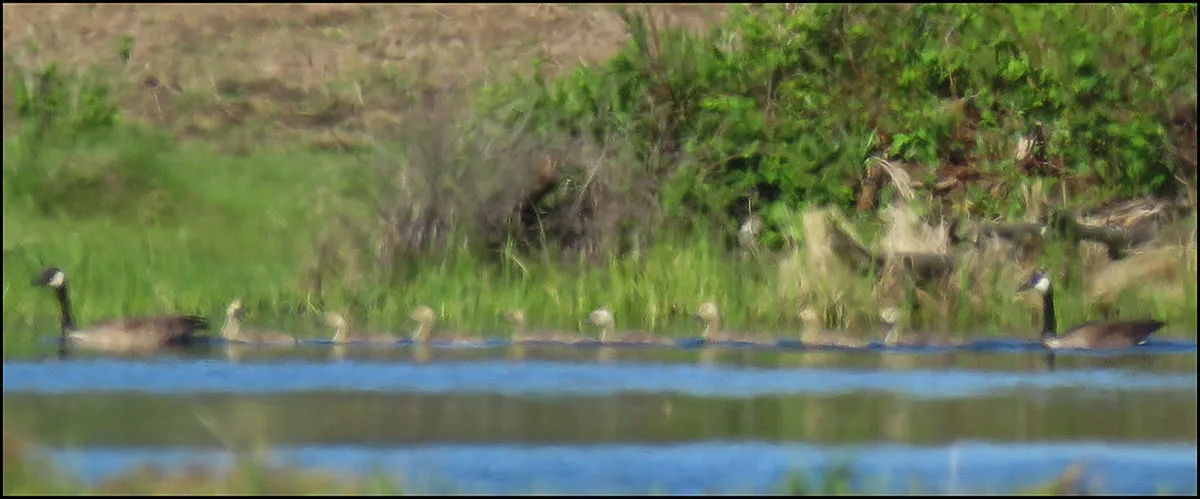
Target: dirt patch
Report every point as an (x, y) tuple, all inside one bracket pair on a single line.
[(204, 68)]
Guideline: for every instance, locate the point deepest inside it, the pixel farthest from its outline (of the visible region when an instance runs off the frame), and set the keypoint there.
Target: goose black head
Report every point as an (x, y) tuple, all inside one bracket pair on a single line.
[(53, 277), (1039, 281)]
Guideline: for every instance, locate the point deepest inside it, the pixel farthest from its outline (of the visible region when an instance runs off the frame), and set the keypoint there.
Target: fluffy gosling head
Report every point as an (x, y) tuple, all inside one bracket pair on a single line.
[(235, 308), (336, 320), (890, 315), (423, 314), (708, 312), (810, 316), (53, 277), (515, 317), (601, 317)]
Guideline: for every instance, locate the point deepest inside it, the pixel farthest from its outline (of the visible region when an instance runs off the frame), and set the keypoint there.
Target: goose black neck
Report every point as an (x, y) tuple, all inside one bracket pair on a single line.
[(64, 305), (1049, 324)]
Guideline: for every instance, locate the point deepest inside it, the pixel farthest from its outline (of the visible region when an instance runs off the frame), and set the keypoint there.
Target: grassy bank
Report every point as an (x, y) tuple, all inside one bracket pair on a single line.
[(253, 236), (284, 239), (164, 180)]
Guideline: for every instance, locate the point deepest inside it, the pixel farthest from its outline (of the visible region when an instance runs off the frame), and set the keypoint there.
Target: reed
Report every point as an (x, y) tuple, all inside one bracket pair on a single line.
[(420, 208), (248, 233)]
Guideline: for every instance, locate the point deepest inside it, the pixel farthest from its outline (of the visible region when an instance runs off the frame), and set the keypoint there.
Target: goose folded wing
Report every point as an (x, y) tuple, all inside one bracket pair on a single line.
[(161, 324)]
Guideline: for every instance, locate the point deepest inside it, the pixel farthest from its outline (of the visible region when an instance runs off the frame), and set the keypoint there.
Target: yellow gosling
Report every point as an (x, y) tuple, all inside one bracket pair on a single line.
[(816, 335), (603, 319), (711, 316), (235, 331), (344, 334), (521, 334), (891, 321), (424, 334)]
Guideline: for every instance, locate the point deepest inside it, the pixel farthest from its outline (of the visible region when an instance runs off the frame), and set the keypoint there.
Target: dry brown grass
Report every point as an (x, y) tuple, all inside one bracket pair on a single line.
[(812, 275), (202, 69), (907, 234), (390, 79), (1162, 272)]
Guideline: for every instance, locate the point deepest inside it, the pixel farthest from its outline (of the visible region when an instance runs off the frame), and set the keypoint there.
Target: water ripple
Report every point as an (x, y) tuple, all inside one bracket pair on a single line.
[(544, 378), (711, 467)]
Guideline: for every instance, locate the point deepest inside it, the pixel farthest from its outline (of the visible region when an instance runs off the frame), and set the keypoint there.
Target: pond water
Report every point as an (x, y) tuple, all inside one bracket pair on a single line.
[(992, 417)]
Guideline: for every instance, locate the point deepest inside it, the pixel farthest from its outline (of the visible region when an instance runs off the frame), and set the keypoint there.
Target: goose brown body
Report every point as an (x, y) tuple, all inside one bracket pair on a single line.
[(603, 319), (1106, 335), (135, 333), (522, 335), (713, 332), (1089, 335)]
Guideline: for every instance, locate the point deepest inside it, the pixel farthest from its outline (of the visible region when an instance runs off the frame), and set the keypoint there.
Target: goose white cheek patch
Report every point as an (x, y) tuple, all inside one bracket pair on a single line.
[(58, 279), (1043, 285)]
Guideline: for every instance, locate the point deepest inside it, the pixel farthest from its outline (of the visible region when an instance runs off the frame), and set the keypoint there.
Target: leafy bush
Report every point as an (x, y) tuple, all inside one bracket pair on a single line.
[(73, 159), (783, 105), (48, 102)]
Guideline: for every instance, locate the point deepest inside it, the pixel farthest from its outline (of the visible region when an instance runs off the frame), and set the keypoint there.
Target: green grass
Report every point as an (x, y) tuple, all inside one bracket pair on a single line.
[(143, 224), (247, 227)]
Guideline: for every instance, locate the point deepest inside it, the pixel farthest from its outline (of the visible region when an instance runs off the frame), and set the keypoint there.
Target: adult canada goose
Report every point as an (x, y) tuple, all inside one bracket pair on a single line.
[(603, 319), (713, 333), (1092, 334), (891, 322), (343, 333), (121, 334), (234, 331), (816, 335), (522, 335), (425, 320)]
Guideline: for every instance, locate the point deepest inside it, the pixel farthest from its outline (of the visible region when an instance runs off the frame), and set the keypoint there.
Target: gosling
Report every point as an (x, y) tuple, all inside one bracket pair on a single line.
[(424, 334), (891, 320), (522, 335), (343, 333), (816, 335), (603, 319), (234, 331), (714, 334)]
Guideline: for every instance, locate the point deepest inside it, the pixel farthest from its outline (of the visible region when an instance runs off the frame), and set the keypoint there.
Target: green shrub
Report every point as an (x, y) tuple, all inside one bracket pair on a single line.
[(782, 105), (73, 160)]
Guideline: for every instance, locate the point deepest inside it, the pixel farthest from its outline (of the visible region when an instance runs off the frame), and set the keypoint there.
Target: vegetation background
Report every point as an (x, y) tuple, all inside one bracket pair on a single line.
[(560, 157), (565, 157)]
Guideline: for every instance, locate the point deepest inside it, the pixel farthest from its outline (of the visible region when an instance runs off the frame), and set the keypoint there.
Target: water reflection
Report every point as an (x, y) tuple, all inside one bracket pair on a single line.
[(349, 418)]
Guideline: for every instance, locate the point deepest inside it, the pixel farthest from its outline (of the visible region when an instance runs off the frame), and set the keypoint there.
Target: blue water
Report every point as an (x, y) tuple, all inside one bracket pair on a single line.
[(700, 466), (540, 378), (710, 467)]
